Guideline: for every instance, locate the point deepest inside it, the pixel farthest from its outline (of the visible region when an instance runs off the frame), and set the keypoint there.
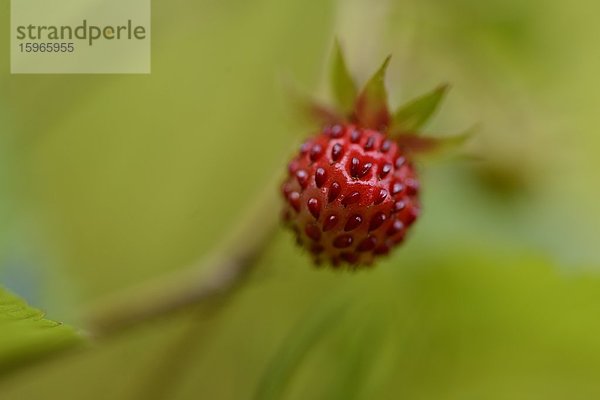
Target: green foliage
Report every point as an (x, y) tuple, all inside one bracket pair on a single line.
[(415, 114), (432, 147), (343, 86), (286, 362), (309, 110), (126, 178), (372, 103), (26, 334), (478, 324)]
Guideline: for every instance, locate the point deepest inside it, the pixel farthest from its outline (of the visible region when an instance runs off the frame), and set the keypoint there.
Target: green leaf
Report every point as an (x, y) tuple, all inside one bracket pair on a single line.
[(26, 334), (344, 88), (415, 114), (371, 105), (295, 349)]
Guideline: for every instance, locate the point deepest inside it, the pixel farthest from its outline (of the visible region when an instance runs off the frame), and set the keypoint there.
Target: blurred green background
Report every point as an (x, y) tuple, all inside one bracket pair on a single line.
[(108, 181)]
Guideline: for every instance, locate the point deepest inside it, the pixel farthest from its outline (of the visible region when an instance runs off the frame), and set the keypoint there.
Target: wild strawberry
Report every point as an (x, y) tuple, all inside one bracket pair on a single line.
[(352, 192)]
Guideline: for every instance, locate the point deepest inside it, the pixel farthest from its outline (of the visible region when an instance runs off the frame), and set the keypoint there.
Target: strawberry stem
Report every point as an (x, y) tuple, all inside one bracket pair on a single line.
[(215, 276)]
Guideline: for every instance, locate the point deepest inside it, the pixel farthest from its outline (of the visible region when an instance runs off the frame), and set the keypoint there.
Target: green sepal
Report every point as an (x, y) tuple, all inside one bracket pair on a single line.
[(342, 84), (433, 145), (315, 111), (308, 109), (371, 109), (415, 114)]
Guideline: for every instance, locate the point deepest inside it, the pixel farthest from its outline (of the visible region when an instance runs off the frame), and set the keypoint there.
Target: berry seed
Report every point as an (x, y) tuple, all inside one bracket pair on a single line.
[(343, 241), (353, 223)]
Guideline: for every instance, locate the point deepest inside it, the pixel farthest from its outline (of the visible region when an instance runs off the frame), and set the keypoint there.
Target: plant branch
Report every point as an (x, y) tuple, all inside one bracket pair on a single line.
[(216, 275)]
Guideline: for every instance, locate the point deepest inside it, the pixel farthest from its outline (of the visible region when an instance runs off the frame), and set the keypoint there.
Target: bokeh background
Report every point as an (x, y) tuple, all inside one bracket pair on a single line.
[(107, 181)]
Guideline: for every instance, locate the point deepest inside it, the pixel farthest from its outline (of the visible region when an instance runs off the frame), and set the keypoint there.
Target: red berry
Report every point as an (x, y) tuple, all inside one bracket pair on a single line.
[(352, 192), (350, 195)]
